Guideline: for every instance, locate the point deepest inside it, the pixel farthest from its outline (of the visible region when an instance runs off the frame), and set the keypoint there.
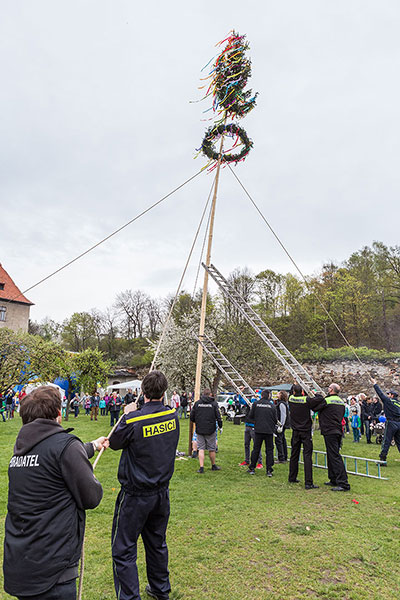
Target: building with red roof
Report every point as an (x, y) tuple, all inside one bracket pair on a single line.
[(14, 306)]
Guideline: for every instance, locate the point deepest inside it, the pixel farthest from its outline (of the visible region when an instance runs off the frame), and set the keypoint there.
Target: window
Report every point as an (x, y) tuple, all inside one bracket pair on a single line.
[(1, 286), (2, 313)]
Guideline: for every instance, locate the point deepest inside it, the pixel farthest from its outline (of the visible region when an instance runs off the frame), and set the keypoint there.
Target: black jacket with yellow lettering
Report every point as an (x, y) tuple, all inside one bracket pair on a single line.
[(148, 439)]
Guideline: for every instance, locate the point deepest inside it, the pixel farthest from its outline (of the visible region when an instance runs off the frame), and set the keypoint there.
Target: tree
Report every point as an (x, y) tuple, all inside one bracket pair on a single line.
[(79, 332), (132, 307), (85, 370), (25, 358)]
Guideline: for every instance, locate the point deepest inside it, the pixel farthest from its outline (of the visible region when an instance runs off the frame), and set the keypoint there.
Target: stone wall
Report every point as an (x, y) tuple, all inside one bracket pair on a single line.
[(349, 374), (17, 316)]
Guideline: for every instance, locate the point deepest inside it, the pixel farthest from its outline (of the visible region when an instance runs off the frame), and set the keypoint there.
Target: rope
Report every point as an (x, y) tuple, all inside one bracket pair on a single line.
[(97, 244), (82, 569), (164, 329), (201, 254), (312, 291)]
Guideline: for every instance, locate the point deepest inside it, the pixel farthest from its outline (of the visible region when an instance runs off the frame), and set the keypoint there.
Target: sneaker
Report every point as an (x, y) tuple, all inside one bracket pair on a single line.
[(269, 474), (259, 466), (195, 454), (152, 594), (244, 464), (215, 468), (251, 471), (201, 470)]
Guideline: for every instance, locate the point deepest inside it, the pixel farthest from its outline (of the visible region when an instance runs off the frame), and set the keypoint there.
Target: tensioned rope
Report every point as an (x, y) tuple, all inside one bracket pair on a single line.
[(201, 254), (310, 289), (100, 242), (164, 329)]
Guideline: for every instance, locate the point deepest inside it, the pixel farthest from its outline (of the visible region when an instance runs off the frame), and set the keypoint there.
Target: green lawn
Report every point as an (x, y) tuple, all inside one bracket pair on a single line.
[(233, 536)]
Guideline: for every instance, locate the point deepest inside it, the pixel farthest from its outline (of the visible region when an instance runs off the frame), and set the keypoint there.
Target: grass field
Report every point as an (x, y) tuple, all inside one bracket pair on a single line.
[(233, 536)]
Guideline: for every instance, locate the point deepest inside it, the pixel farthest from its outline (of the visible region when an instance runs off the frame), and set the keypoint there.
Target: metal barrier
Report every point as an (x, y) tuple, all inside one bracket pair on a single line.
[(366, 462)]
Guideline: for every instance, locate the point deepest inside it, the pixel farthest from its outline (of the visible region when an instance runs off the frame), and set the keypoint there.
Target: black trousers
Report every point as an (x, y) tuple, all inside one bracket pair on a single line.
[(392, 431), (259, 438), (367, 430), (146, 516), (114, 414), (336, 471), (299, 438), (281, 446), (60, 591)]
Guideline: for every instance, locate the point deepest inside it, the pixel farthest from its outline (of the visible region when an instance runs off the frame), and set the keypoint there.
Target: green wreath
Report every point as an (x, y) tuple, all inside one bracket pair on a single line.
[(231, 130)]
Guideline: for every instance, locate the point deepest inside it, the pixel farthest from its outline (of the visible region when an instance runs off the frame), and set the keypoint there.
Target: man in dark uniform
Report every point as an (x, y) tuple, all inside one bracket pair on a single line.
[(205, 415), (331, 413), (391, 407), (148, 439), (263, 413), (51, 484), (300, 408)]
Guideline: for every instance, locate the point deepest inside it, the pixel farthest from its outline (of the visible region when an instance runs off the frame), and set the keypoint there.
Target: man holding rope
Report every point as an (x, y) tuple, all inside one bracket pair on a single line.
[(51, 484), (148, 439), (391, 405)]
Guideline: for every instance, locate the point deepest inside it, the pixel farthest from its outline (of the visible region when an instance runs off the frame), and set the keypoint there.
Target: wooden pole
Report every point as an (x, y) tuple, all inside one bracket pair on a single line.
[(199, 363)]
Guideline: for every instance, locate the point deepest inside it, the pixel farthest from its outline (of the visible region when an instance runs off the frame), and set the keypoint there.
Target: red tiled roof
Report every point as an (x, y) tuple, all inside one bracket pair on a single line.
[(10, 291)]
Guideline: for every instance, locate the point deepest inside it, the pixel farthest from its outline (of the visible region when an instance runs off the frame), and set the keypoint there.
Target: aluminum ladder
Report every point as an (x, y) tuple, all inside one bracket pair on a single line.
[(224, 366), (287, 359)]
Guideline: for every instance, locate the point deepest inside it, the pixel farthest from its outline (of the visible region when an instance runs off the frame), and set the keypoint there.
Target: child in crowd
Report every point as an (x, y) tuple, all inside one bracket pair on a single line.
[(356, 425)]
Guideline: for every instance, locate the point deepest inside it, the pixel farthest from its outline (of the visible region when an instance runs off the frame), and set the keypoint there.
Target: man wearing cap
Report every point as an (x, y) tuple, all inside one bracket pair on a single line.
[(391, 407), (331, 413)]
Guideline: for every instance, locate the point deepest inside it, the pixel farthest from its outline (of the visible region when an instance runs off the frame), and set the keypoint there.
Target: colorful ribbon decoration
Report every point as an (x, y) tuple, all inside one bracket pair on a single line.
[(229, 73)]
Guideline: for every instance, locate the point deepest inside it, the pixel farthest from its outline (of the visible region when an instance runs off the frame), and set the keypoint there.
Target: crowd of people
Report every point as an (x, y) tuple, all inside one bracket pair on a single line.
[(51, 481), (267, 420)]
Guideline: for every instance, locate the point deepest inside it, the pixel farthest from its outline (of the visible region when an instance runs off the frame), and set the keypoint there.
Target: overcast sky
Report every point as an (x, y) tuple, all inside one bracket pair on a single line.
[(96, 124)]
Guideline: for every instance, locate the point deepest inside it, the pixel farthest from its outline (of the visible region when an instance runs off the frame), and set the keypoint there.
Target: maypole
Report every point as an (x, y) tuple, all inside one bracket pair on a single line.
[(229, 74)]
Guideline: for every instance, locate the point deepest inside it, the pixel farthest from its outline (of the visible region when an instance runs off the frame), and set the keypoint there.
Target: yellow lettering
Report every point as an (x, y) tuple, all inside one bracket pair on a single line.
[(165, 427)]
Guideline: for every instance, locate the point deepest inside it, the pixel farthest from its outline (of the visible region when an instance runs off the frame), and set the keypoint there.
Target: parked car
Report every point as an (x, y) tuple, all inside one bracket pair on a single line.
[(222, 400)]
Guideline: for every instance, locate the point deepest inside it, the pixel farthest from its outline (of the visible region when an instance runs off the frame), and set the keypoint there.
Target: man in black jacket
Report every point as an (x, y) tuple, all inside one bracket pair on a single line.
[(263, 413), (367, 417), (331, 413), (300, 408), (148, 439), (51, 484), (205, 415)]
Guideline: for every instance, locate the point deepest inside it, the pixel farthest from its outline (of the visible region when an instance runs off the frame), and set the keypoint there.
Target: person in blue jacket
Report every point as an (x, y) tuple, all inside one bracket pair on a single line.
[(391, 407)]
